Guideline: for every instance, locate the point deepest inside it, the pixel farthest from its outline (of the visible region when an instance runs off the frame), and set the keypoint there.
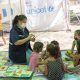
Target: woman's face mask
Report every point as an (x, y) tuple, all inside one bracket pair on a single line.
[(23, 25)]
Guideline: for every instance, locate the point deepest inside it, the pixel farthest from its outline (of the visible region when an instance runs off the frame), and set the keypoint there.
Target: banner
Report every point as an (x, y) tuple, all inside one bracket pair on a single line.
[(45, 15)]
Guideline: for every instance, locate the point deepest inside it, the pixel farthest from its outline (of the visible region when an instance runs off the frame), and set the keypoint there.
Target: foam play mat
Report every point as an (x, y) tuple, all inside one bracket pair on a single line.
[(9, 71)]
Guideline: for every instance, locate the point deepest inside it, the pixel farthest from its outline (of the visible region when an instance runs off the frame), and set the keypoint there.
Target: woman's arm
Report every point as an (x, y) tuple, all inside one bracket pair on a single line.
[(22, 41)]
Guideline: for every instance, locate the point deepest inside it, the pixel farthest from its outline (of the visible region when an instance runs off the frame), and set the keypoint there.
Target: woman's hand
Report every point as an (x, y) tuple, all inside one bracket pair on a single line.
[(32, 38)]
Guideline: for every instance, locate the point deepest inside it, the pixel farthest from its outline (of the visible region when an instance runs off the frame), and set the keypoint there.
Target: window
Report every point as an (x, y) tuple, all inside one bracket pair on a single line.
[(4, 12), (11, 11)]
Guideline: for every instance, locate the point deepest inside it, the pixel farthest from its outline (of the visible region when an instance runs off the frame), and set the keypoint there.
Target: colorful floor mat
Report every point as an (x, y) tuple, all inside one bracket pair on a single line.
[(8, 70)]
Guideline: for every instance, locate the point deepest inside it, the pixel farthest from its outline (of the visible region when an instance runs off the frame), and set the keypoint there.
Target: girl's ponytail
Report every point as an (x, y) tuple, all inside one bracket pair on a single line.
[(15, 20)]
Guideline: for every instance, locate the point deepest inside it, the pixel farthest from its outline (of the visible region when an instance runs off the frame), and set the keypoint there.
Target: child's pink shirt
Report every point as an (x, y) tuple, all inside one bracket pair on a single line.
[(33, 60)]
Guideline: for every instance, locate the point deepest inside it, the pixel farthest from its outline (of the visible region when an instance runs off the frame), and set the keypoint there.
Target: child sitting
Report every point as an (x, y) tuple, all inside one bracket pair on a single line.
[(76, 42), (54, 68), (35, 58)]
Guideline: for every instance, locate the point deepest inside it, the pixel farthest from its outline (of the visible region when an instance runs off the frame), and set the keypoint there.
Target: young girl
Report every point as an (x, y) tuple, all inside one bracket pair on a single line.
[(54, 66), (35, 58), (76, 42)]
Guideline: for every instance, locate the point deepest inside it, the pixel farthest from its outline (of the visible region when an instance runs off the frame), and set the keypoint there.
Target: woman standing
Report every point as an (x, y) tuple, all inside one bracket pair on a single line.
[(19, 40)]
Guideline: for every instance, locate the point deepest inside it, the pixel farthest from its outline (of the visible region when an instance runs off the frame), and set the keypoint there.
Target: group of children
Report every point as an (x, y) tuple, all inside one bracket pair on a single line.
[(54, 68), (53, 65)]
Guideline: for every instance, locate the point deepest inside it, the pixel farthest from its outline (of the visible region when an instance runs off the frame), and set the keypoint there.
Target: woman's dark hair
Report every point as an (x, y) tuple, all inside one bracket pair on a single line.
[(17, 18), (53, 50), (38, 46)]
